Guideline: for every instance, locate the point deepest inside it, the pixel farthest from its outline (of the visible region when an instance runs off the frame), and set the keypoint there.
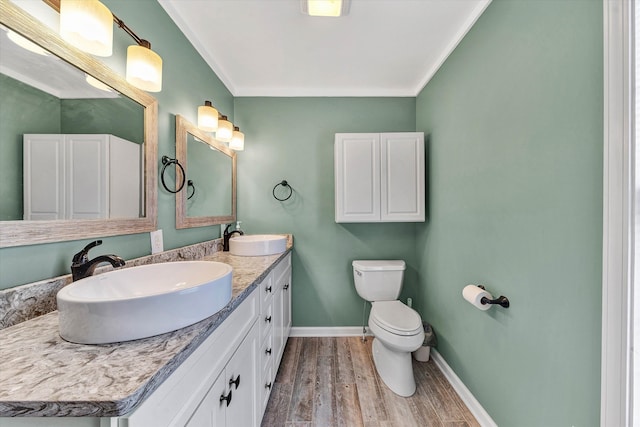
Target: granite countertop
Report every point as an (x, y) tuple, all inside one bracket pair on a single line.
[(44, 376)]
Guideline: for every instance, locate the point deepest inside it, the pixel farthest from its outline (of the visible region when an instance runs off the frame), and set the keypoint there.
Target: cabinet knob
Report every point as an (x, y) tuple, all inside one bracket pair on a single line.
[(286, 287), (268, 351), (226, 398), (268, 385), (268, 289), (267, 319), (235, 382)]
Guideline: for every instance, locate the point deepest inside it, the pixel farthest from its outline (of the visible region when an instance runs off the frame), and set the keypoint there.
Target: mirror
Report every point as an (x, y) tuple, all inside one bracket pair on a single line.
[(211, 168), (47, 123)]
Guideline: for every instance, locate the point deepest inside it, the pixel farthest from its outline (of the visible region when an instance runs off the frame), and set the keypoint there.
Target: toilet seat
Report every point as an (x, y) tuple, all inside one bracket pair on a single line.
[(396, 318)]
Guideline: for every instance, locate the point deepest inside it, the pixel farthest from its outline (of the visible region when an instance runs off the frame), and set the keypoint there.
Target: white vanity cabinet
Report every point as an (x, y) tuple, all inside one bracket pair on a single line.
[(275, 323), (83, 176), (379, 177)]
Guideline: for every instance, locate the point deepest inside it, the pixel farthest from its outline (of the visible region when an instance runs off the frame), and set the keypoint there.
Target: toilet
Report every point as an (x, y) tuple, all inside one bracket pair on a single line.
[(397, 328)]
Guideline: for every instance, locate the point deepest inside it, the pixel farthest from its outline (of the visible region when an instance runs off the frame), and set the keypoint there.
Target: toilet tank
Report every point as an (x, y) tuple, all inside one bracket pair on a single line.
[(378, 280)]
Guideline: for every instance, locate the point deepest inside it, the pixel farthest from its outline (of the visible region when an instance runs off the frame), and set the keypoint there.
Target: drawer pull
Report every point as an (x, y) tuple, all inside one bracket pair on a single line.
[(268, 289), (235, 382), (286, 287), (267, 319), (268, 385), (226, 398), (268, 351)]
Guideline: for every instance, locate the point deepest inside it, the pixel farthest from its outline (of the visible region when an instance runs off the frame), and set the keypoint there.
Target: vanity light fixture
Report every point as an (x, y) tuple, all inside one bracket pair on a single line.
[(87, 25), (225, 129), (96, 83), (332, 8), (26, 43), (237, 140), (207, 117)]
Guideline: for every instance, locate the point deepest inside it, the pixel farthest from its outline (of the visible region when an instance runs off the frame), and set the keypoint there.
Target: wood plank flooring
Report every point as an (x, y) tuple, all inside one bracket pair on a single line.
[(327, 382)]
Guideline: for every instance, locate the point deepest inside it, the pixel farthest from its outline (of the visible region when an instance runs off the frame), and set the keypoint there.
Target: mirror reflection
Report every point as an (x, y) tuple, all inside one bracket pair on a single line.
[(72, 147), (210, 167)]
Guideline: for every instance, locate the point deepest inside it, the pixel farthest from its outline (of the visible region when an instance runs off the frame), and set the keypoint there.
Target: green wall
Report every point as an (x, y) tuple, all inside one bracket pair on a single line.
[(187, 82), (514, 125), (292, 139), (32, 111)]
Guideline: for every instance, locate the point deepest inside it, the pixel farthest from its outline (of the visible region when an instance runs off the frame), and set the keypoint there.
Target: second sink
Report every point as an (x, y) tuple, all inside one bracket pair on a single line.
[(258, 244)]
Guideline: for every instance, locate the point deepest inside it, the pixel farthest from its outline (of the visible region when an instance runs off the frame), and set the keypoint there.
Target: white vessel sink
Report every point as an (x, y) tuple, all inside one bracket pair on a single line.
[(140, 302), (258, 244)]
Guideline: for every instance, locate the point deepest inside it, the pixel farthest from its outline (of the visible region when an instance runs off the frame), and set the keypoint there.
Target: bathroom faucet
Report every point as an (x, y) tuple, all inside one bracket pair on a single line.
[(227, 235), (82, 267)]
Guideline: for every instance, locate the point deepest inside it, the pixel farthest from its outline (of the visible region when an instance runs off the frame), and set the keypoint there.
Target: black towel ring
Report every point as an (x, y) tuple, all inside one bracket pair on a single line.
[(285, 184), (190, 184), (166, 161)]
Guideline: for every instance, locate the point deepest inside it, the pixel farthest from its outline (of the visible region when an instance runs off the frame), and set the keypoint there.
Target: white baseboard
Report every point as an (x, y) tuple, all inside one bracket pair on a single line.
[(474, 406), (313, 331)]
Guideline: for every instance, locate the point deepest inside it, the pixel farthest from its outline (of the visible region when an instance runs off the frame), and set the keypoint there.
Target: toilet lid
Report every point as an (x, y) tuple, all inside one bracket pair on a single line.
[(396, 317)]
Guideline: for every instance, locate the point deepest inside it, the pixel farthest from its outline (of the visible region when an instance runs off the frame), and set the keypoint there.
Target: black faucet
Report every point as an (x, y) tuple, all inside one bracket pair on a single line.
[(81, 267), (227, 235)]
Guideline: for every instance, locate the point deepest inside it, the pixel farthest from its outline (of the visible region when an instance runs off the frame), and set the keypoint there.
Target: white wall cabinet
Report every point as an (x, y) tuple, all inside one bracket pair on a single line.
[(81, 177), (379, 177)]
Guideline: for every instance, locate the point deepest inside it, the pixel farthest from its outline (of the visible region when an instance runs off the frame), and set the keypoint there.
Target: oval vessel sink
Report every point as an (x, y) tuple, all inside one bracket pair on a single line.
[(258, 244), (140, 302)]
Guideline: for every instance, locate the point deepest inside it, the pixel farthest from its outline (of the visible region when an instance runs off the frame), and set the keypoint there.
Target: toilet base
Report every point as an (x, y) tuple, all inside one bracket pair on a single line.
[(394, 368)]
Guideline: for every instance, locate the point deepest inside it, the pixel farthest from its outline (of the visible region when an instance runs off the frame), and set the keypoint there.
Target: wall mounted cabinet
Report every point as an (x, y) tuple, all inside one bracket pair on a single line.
[(81, 177), (379, 177)]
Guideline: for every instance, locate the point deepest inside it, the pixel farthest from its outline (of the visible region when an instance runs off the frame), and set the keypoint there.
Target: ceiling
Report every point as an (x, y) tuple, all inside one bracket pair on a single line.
[(269, 48)]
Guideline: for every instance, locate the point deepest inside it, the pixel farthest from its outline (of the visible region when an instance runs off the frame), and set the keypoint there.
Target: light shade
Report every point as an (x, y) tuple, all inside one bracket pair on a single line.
[(144, 68), (207, 117), (325, 7), (26, 43), (87, 25), (237, 140), (225, 130), (97, 83)]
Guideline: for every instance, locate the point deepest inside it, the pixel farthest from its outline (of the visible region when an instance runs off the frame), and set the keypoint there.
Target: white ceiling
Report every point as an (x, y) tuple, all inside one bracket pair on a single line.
[(269, 48)]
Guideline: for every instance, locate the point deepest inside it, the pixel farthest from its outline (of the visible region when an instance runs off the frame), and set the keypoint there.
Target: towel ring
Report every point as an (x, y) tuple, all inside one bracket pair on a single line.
[(166, 161), (284, 184), (193, 187)]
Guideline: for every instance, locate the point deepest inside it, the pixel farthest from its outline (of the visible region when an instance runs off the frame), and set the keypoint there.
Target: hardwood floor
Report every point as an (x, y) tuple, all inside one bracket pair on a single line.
[(326, 382)]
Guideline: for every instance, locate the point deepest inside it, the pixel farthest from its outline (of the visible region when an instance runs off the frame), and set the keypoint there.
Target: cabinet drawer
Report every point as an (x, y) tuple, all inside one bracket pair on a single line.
[(267, 354), (266, 321), (266, 292), (265, 388)]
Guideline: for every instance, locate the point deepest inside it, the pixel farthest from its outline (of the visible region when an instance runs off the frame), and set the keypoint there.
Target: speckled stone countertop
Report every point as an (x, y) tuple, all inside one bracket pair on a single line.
[(44, 376)]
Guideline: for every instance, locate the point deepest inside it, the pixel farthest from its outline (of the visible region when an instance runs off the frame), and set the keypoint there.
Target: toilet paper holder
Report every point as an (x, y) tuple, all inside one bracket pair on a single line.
[(501, 300)]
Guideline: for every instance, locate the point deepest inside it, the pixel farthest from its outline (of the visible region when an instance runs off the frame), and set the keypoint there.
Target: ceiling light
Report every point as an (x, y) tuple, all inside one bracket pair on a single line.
[(325, 7), (26, 43), (207, 117), (225, 129), (87, 25), (237, 140), (144, 67)]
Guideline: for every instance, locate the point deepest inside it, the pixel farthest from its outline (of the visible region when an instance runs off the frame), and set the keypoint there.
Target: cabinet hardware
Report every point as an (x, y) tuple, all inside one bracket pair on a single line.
[(267, 319), (268, 351), (226, 398), (268, 289), (235, 382), (286, 287), (268, 385)]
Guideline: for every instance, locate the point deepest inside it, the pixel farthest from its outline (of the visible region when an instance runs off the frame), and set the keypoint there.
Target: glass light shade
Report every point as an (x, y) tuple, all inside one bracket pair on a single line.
[(324, 7), (207, 117), (237, 140), (87, 25), (26, 43), (225, 130), (144, 68), (97, 83)]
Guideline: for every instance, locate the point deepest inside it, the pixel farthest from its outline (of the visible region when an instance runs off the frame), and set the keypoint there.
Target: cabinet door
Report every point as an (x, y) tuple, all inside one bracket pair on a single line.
[(211, 411), (357, 177), (124, 178), (43, 175), (286, 309), (87, 167), (402, 171), (242, 381)]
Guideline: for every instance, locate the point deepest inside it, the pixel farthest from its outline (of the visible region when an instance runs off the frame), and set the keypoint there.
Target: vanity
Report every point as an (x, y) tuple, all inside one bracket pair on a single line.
[(217, 372)]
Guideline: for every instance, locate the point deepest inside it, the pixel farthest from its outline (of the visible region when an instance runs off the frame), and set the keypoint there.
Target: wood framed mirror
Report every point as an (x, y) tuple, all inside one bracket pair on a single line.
[(125, 100), (209, 194)]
